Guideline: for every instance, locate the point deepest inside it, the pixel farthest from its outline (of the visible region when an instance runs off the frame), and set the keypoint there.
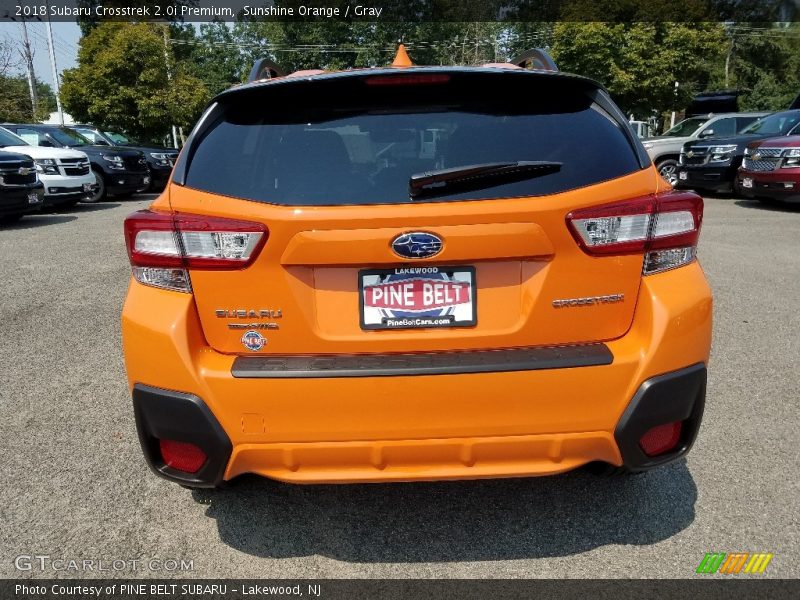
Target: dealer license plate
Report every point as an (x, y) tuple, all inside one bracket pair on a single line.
[(417, 297), (34, 198), (747, 182)]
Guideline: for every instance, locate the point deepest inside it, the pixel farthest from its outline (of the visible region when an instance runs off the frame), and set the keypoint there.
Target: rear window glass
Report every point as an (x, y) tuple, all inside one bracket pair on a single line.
[(359, 145)]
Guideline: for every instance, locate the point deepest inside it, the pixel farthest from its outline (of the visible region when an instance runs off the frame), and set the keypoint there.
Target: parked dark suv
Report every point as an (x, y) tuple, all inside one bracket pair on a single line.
[(159, 158), (118, 171), (713, 164), (21, 191)]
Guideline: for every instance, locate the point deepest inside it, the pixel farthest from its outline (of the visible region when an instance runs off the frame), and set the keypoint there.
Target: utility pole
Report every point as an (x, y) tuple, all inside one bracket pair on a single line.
[(56, 86), (169, 79), (674, 105), (27, 54)]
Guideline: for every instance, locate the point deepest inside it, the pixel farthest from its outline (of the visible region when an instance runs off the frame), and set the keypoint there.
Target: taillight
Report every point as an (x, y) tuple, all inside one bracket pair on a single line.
[(664, 227), (163, 246)]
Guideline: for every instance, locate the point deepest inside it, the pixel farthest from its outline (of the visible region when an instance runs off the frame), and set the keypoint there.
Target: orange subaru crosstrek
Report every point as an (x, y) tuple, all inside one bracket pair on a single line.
[(415, 273)]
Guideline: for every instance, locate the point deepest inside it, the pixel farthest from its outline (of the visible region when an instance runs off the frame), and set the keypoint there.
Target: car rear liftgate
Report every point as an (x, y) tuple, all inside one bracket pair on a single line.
[(310, 239)]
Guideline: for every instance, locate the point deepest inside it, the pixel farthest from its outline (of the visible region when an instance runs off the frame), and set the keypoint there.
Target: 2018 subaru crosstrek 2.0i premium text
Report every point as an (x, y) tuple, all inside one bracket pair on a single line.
[(415, 273)]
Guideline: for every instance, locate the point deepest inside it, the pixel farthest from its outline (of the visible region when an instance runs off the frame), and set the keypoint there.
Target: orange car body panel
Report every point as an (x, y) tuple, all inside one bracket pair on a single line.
[(405, 428)]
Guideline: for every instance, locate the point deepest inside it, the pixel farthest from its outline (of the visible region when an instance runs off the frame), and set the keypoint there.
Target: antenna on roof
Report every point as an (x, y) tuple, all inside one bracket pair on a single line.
[(402, 59)]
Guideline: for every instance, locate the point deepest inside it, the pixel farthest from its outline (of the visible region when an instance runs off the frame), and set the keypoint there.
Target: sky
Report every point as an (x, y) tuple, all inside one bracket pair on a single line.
[(65, 37)]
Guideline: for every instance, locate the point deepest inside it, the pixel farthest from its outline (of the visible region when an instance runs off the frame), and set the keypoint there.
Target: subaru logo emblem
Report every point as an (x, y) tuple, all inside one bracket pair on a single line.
[(417, 244)]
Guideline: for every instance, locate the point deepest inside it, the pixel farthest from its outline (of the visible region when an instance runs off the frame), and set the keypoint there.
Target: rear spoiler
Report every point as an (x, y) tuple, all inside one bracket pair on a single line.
[(265, 69), (535, 58)]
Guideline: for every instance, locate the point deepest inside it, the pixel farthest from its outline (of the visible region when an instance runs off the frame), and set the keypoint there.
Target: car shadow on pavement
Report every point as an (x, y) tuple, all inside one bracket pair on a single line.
[(37, 220), (452, 521), (770, 206), (87, 207)]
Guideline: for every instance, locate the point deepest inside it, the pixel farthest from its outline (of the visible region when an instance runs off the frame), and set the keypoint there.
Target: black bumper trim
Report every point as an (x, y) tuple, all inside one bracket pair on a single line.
[(676, 396), (442, 363), (164, 414)]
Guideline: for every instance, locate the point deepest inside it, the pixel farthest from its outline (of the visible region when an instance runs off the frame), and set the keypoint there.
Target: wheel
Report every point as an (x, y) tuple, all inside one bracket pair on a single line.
[(668, 169), (100, 193)]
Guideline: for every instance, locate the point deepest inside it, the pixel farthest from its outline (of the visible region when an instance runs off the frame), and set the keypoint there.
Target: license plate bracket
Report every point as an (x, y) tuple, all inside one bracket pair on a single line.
[(417, 297)]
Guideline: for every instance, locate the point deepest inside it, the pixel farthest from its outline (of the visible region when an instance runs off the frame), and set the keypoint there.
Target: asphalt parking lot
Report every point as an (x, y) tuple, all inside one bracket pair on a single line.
[(75, 485)]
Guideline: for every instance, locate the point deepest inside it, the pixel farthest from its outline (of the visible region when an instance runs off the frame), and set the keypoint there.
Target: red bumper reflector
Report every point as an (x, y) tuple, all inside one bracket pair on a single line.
[(661, 438), (182, 456)]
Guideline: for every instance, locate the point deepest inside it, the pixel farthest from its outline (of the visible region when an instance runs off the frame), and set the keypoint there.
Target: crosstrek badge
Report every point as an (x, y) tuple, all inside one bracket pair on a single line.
[(408, 297)]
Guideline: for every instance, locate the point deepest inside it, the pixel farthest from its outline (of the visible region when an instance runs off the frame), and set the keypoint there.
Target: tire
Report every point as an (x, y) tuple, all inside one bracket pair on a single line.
[(100, 194), (668, 169)]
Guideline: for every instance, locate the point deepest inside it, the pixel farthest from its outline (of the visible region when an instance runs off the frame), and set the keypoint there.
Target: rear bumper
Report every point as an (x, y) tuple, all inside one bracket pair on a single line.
[(404, 427), (163, 414)]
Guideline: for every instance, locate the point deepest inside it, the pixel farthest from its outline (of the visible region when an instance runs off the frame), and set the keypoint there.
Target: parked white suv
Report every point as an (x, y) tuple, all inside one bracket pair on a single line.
[(65, 173)]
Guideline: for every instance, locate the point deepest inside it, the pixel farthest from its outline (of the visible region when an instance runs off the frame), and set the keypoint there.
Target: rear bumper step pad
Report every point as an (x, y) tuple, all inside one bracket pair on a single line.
[(441, 363)]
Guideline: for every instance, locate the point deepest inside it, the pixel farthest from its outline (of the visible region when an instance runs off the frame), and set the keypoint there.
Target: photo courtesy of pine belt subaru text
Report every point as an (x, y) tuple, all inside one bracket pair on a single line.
[(415, 273)]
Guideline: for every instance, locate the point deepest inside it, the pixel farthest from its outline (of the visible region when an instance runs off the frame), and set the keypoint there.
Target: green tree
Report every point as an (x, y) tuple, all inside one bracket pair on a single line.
[(640, 62), (15, 99), (763, 61), (127, 78), (216, 58)]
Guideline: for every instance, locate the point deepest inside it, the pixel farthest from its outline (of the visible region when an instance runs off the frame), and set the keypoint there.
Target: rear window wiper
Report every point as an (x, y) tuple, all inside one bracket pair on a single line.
[(476, 177)]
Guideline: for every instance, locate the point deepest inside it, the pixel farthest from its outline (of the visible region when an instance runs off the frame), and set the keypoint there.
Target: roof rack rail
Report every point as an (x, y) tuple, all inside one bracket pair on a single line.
[(264, 68), (535, 58)]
